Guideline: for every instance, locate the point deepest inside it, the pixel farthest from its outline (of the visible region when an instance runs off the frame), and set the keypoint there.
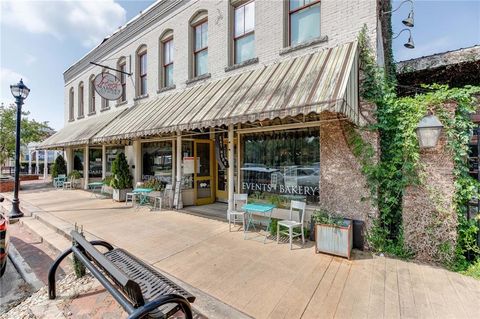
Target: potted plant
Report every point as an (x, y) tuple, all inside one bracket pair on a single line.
[(121, 178), (107, 181), (333, 235)]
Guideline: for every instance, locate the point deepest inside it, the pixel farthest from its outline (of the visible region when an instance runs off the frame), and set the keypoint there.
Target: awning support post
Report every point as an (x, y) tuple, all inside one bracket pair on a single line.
[(37, 169), (104, 161), (45, 165), (86, 167), (178, 181), (137, 162), (231, 164), (29, 162), (69, 159)]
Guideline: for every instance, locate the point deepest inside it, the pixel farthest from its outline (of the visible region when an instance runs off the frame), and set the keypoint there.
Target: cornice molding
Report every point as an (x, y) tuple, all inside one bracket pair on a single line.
[(149, 18)]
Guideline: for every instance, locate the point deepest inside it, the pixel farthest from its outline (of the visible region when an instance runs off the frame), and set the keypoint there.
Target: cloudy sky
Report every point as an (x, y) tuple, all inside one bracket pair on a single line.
[(41, 39)]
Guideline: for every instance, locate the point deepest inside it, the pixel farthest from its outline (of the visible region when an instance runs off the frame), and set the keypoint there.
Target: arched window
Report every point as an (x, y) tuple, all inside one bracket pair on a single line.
[(199, 32), (70, 105), (141, 67), (122, 66), (104, 102), (80, 100), (91, 94), (166, 58)]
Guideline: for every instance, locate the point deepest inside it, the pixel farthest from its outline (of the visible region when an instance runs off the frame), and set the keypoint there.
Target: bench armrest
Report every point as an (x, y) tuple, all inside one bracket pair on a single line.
[(181, 301)]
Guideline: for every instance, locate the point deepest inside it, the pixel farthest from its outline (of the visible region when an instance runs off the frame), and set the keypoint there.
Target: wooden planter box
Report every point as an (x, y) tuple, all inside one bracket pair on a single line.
[(333, 239)]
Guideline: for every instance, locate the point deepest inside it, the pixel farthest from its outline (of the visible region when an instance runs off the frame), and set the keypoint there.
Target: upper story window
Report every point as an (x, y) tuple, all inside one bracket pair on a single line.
[(244, 32), (166, 59), (122, 66), (70, 105), (91, 93), (304, 20), (200, 47), (142, 71), (80, 99), (105, 103)]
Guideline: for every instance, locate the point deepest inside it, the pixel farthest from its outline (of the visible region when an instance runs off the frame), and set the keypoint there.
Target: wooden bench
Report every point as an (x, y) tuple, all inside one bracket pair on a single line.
[(138, 288)]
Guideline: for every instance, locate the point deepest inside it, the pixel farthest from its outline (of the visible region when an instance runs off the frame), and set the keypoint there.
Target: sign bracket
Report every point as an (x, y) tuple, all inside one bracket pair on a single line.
[(109, 68)]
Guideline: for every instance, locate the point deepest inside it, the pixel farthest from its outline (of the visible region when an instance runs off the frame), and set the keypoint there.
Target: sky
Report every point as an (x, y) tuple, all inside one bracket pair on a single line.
[(39, 40)]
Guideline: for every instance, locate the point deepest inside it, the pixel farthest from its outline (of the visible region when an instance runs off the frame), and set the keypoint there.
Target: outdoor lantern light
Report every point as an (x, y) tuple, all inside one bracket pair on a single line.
[(20, 92), (409, 20), (410, 44), (428, 131)]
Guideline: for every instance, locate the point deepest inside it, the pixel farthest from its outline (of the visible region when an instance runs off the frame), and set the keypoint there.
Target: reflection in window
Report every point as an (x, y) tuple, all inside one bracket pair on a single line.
[(187, 164), (304, 16), (78, 161), (95, 162), (244, 32), (157, 161), (200, 52), (111, 153), (284, 163)]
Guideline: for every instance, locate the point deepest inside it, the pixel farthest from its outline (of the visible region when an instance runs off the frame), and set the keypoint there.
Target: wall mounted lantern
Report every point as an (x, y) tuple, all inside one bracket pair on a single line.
[(409, 21), (409, 44), (428, 131)]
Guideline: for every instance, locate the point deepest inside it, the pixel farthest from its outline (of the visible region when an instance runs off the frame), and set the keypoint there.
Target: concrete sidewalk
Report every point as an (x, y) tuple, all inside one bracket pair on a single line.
[(263, 280)]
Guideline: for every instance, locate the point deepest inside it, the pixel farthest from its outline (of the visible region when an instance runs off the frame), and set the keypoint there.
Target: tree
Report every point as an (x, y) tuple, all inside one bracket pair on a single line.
[(121, 173), (31, 131), (59, 167)]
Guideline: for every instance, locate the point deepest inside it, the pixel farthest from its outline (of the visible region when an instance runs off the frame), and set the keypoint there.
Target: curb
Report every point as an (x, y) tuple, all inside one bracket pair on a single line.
[(23, 268)]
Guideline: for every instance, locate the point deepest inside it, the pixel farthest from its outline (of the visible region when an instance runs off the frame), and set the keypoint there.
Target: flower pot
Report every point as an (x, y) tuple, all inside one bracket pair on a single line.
[(334, 239), (120, 195)]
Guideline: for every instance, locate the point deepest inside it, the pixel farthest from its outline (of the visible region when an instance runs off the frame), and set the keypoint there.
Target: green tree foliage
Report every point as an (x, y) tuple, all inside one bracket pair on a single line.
[(121, 173), (31, 131), (59, 167)]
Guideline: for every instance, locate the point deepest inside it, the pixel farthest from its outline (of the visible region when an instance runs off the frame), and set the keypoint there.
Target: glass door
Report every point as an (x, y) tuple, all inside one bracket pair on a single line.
[(204, 184)]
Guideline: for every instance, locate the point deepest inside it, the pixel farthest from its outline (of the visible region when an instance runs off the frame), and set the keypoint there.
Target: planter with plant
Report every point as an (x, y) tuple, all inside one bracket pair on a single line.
[(333, 235), (121, 181), (156, 185), (107, 181)]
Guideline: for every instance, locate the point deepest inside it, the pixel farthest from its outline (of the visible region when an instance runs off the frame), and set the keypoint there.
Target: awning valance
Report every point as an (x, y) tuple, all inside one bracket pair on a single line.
[(79, 132), (323, 80)]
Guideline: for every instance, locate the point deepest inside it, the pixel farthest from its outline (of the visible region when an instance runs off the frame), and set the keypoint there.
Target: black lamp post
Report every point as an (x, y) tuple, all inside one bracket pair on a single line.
[(20, 92)]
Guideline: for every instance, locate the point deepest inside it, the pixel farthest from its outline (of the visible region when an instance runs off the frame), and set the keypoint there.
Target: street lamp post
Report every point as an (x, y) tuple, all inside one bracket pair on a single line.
[(20, 92)]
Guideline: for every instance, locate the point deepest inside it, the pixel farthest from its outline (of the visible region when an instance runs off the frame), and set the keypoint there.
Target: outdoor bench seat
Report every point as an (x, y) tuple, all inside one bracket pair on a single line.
[(140, 289)]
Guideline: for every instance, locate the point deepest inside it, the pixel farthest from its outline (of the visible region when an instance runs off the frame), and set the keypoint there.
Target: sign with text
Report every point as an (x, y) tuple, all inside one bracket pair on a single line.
[(108, 86)]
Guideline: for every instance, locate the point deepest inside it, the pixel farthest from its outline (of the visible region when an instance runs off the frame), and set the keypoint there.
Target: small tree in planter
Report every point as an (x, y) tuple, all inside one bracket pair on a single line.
[(122, 179), (59, 167)]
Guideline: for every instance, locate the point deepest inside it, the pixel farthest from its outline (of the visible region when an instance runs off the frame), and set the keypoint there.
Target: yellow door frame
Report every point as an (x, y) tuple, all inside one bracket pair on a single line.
[(211, 199)]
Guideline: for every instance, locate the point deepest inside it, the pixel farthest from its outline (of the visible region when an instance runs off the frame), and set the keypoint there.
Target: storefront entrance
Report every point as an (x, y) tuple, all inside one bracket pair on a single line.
[(204, 184)]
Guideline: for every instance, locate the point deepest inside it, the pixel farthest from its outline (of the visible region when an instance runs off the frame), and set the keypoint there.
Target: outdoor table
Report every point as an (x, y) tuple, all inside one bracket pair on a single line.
[(142, 195), (96, 188), (257, 208)]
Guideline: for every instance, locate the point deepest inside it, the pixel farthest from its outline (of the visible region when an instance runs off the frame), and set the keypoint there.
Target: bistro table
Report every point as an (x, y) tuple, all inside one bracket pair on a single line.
[(96, 188), (263, 209), (142, 195)]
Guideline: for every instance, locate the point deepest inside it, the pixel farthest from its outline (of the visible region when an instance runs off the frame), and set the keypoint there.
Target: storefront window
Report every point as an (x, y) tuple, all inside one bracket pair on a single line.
[(95, 162), (78, 161), (282, 165), (188, 165), (111, 154), (157, 161)]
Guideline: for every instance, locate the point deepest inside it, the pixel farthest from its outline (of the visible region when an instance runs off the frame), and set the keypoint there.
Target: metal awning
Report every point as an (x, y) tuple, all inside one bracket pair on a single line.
[(79, 132), (312, 83)]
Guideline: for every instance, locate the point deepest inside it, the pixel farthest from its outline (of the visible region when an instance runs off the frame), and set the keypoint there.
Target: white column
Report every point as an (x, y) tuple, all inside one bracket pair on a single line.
[(86, 167), (29, 162), (104, 161), (174, 162), (231, 164), (37, 163), (69, 159), (45, 165), (178, 182), (137, 149)]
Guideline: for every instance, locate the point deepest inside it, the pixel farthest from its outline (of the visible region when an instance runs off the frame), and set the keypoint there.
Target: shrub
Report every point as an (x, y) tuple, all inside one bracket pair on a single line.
[(121, 173), (59, 167), (75, 174)]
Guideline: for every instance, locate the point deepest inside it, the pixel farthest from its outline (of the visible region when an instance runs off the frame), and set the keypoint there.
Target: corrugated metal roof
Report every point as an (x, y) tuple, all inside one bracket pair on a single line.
[(79, 132), (311, 83)]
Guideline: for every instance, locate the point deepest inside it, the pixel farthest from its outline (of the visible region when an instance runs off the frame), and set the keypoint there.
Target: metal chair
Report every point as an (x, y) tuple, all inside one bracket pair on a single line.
[(130, 197), (59, 180), (238, 201), (168, 195), (293, 222), (70, 183)]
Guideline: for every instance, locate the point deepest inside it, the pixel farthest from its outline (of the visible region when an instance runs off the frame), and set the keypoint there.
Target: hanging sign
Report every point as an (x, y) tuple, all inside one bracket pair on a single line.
[(108, 86), (221, 151)]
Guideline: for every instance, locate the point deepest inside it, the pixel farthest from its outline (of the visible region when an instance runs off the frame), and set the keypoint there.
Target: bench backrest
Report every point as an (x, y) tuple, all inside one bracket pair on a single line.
[(128, 286)]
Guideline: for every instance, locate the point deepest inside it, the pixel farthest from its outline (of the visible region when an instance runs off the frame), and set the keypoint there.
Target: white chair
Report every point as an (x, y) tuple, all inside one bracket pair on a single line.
[(238, 201), (294, 221), (69, 184), (168, 195), (130, 197), (157, 202)]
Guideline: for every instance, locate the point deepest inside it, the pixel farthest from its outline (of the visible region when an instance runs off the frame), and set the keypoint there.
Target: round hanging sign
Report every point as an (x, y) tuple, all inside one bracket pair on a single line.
[(108, 86)]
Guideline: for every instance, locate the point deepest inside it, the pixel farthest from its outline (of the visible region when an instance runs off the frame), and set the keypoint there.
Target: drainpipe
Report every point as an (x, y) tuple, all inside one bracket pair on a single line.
[(178, 183), (231, 165)]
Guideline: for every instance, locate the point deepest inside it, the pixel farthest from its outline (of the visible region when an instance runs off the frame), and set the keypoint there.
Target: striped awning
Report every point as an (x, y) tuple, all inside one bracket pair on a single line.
[(79, 132), (313, 83)]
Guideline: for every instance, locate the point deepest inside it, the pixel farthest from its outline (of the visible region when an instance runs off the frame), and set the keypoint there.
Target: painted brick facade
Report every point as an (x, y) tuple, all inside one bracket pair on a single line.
[(341, 21)]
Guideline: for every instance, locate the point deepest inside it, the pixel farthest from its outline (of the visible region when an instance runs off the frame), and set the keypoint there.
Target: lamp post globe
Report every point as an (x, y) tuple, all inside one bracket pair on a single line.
[(20, 92)]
